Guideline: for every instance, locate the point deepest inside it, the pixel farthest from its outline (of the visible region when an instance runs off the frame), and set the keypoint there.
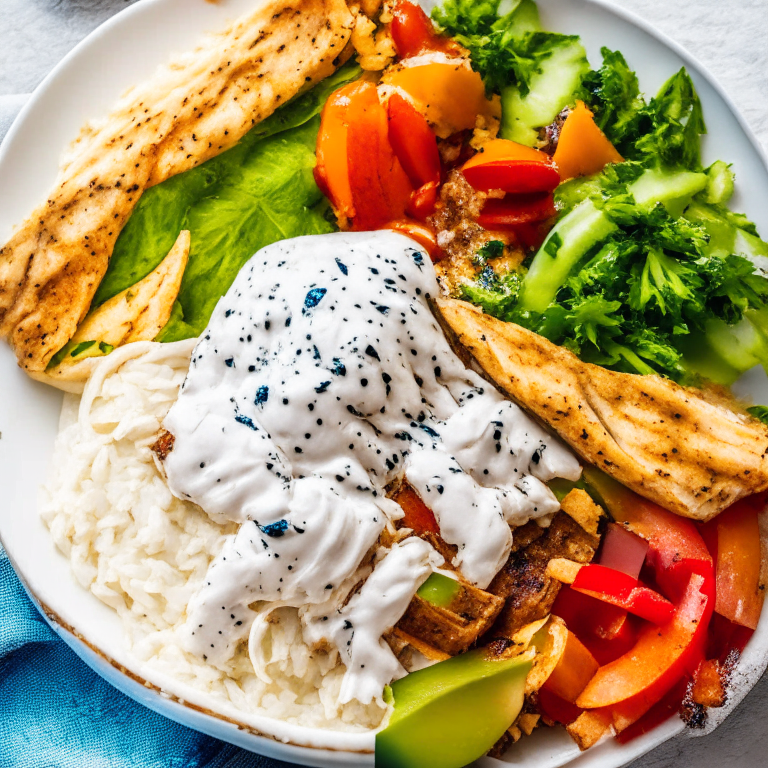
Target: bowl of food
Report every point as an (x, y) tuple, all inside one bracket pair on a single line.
[(411, 378)]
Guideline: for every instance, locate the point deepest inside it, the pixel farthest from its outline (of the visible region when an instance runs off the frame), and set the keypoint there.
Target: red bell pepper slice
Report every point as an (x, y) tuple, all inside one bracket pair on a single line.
[(514, 210), (512, 167), (623, 591), (513, 176), (608, 649), (556, 708), (533, 235), (726, 638), (739, 597), (623, 550), (676, 549), (413, 141), (413, 32), (379, 185), (661, 656), (604, 629)]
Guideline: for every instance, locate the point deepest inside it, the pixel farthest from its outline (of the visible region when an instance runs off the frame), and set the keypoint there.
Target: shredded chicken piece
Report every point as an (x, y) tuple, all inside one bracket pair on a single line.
[(375, 48)]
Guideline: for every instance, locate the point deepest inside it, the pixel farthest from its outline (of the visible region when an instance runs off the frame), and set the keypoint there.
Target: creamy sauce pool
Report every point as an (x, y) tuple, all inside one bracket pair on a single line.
[(322, 378)]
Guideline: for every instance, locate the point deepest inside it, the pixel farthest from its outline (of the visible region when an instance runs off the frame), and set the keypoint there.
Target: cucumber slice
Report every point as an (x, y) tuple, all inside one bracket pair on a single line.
[(567, 244), (720, 184), (523, 15), (722, 233), (551, 90), (674, 189)]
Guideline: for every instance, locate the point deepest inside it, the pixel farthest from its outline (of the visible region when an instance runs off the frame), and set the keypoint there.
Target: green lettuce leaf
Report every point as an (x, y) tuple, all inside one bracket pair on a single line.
[(260, 191)]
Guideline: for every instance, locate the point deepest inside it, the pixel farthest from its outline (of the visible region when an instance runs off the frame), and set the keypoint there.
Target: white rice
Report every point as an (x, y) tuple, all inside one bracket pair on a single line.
[(144, 552)]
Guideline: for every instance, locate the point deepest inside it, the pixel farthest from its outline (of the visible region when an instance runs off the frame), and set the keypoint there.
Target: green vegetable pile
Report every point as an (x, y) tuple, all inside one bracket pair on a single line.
[(646, 270)]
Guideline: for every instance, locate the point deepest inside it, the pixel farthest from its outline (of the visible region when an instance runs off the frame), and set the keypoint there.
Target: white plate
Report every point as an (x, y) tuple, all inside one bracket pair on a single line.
[(121, 53)]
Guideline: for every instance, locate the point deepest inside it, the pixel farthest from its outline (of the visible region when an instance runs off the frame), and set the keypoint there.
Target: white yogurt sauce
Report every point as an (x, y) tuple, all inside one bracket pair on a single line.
[(322, 376)]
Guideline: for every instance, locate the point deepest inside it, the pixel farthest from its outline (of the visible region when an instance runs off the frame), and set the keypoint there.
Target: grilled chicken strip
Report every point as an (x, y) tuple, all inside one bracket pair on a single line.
[(188, 113), (666, 442)]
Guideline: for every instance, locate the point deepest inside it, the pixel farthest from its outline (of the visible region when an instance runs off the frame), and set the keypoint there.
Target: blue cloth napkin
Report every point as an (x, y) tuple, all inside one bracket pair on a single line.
[(56, 713)]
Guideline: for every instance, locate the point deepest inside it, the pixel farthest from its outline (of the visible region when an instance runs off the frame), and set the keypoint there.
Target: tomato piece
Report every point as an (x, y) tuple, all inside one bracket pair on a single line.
[(514, 210), (514, 176), (582, 148), (424, 236), (380, 187), (623, 550), (418, 515), (661, 656), (574, 670), (413, 141), (675, 547), (556, 708), (623, 591), (423, 201), (738, 595), (413, 32), (332, 169)]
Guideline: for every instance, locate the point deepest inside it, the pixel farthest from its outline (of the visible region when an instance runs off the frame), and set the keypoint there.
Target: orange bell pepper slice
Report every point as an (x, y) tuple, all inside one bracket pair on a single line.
[(380, 187), (511, 167), (583, 149), (576, 667), (661, 656), (413, 32), (498, 150), (413, 141), (738, 595), (332, 170)]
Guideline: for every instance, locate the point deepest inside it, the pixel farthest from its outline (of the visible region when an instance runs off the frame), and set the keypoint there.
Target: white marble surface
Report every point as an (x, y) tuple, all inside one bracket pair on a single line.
[(729, 36)]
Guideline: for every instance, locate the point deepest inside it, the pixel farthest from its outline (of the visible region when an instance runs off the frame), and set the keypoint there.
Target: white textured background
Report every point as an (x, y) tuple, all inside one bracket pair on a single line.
[(730, 37)]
